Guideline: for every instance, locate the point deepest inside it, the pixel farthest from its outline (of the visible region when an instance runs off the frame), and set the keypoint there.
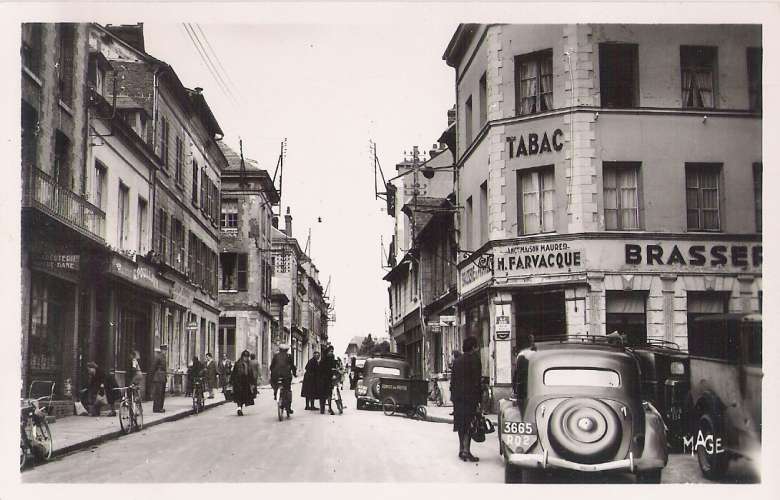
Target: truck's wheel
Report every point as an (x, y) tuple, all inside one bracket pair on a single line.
[(713, 465), (513, 474), (649, 477)]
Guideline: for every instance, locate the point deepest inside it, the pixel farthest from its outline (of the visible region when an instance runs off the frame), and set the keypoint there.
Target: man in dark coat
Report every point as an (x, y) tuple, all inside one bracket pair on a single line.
[(243, 380), (159, 378), (211, 374), (466, 390), (325, 380), (309, 386), (283, 368)]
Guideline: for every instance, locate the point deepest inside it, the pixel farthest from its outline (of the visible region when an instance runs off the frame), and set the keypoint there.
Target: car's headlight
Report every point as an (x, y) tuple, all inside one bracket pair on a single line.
[(362, 390), (677, 368)]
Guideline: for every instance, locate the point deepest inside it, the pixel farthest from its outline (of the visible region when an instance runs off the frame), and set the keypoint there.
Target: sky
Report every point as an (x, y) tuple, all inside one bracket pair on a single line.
[(327, 88)]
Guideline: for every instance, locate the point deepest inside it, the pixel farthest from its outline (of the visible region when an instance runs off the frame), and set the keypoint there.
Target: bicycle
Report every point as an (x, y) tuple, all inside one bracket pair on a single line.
[(35, 436), (198, 399), (435, 394), (337, 387), (131, 411), (285, 398)]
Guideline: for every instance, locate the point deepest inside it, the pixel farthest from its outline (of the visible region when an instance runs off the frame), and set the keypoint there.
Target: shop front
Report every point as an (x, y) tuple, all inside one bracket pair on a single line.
[(594, 284)]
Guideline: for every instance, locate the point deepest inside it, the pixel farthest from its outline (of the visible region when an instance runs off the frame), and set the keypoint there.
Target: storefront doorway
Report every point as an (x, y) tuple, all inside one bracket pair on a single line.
[(539, 313), (227, 337)]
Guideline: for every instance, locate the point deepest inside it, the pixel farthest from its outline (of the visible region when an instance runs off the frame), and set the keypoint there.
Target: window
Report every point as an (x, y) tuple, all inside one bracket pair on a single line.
[(229, 219), (698, 76), (62, 161), (618, 75), (123, 215), (193, 243), (234, 271), (626, 314), (386, 370), (96, 75), (754, 69), (177, 243), (142, 223), (100, 185), (621, 195), (203, 180), (29, 135), (483, 100), (537, 201), (164, 133), (32, 46), (710, 334), (757, 188), (483, 213), (65, 65), (179, 159), (162, 241), (586, 377), (703, 198), (469, 119), (534, 82), (195, 183)]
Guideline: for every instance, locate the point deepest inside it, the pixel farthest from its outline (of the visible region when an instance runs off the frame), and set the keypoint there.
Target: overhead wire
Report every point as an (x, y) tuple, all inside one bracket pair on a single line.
[(210, 69), (216, 70), (219, 61)]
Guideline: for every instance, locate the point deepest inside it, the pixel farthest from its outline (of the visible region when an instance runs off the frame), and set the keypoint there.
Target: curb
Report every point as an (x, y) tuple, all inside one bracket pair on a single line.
[(59, 452)]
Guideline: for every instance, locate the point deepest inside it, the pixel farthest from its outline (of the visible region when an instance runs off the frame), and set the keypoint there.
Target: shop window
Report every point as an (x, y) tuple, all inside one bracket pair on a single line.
[(541, 314), (626, 314), (618, 75), (483, 213), (29, 135), (534, 82), (47, 319), (32, 46), (469, 119), (621, 195), (123, 216), (164, 136), (757, 191), (179, 159), (195, 182), (483, 105), (537, 200), (65, 65), (754, 69), (702, 196), (698, 68), (710, 333)]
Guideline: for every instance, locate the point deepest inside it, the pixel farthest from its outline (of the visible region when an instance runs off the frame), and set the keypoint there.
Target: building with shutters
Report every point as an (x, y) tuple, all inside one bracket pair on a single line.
[(245, 268), (610, 179)]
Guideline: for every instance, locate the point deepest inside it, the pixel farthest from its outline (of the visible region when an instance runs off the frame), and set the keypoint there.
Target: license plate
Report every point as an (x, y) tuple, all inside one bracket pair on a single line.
[(522, 428)]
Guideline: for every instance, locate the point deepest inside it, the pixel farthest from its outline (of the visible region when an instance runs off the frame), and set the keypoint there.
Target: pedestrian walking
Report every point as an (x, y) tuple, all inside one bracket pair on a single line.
[(159, 378), (466, 391), (211, 374), (283, 368), (243, 380), (224, 369), (255, 364), (309, 386), (325, 380)]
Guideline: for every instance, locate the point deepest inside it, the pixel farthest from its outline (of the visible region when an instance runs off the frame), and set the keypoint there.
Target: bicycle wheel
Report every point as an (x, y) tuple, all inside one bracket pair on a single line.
[(125, 417), (42, 435), (280, 409), (195, 404), (421, 412), (138, 415), (22, 453), (388, 407)]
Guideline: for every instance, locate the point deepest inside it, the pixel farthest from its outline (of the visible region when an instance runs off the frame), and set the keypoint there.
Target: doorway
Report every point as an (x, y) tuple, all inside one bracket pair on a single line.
[(539, 313)]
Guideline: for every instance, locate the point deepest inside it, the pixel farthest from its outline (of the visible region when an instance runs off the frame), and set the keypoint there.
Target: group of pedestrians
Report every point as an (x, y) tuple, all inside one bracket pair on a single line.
[(319, 380)]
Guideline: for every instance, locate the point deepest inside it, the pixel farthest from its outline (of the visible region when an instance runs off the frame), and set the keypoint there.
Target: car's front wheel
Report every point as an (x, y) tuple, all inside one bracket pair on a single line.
[(649, 477)]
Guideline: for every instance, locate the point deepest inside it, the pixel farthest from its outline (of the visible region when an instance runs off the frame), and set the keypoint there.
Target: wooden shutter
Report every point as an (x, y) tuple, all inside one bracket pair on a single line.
[(242, 271)]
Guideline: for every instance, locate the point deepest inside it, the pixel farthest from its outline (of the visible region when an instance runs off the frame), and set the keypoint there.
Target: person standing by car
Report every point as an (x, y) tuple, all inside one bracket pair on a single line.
[(325, 380), (309, 386), (211, 374), (159, 378), (466, 390), (243, 380)]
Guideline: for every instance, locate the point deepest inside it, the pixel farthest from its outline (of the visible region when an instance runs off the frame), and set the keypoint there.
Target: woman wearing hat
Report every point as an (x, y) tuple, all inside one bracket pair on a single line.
[(243, 379)]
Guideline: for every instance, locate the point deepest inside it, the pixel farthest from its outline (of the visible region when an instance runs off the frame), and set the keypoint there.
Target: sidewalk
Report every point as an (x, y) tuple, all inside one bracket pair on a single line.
[(78, 432), (441, 414)]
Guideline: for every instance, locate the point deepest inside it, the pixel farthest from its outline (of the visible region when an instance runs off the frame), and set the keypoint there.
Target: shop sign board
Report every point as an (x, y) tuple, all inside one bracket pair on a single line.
[(703, 255), (445, 320), (539, 258), (138, 273), (192, 326), (61, 262), (503, 327), (474, 274)]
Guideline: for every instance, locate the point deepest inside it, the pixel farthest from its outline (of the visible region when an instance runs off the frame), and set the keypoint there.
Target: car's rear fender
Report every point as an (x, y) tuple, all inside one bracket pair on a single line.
[(655, 445)]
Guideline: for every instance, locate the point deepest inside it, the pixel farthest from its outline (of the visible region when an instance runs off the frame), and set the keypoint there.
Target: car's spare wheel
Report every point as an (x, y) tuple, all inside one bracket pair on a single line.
[(585, 430)]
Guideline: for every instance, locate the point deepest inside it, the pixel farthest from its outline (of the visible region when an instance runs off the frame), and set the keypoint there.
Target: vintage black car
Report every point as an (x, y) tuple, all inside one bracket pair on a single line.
[(367, 388), (726, 374), (665, 373), (578, 408)]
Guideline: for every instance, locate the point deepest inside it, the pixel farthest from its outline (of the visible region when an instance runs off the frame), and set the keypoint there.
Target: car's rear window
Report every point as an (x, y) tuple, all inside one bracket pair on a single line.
[(386, 370), (589, 377)]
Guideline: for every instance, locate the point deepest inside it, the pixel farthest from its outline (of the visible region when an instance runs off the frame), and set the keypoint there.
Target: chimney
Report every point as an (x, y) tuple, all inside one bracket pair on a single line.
[(131, 34), (451, 114), (288, 223), (198, 90)]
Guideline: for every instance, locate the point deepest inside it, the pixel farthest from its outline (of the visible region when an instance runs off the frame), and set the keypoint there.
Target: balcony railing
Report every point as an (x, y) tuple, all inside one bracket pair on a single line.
[(42, 192)]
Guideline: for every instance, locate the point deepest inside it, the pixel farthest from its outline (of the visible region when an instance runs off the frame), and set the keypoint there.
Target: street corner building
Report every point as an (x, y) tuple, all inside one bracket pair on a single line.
[(120, 217), (609, 179)]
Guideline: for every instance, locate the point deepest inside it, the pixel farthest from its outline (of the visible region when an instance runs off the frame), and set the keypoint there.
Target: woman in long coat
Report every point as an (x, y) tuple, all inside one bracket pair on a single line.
[(324, 380), (465, 385), (309, 386), (243, 380)]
